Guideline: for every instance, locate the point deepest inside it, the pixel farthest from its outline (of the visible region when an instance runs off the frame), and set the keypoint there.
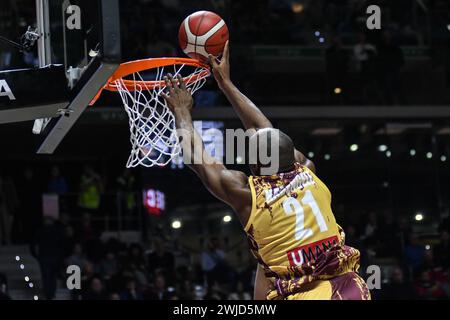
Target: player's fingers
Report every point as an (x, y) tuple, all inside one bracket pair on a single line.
[(212, 61), (226, 52), (168, 83), (181, 82), (174, 82)]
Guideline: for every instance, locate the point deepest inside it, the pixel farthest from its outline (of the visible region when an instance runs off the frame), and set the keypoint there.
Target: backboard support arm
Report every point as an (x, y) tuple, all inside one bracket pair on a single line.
[(44, 50), (43, 25)]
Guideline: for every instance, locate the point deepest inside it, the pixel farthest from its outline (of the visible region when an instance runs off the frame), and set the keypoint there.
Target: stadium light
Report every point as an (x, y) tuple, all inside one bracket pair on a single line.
[(311, 155), (337, 91), (419, 217), (176, 224), (327, 157), (27, 278), (354, 148), (429, 155), (297, 7), (388, 154), (412, 152), (317, 33), (36, 298), (443, 158), (383, 148), (227, 219), (239, 160)]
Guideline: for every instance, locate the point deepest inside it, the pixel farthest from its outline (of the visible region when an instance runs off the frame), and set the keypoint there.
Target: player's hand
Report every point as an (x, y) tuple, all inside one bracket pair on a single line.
[(179, 97), (221, 70)]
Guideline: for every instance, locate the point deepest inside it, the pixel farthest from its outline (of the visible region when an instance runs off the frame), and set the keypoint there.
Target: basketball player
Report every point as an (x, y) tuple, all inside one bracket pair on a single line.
[(287, 214)]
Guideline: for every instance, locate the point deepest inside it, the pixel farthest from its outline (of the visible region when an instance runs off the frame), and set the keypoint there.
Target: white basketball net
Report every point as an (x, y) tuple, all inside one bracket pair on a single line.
[(153, 135)]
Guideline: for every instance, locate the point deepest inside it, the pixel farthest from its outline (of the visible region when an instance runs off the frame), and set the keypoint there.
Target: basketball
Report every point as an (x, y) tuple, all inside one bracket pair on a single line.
[(203, 33)]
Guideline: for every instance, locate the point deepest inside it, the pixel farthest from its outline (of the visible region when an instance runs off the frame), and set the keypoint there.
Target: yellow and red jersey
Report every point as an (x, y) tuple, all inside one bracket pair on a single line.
[(293, 233)]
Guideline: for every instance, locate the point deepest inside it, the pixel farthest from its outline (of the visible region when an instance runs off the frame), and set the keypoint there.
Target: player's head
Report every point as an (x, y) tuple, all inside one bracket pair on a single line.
[(271, 152)]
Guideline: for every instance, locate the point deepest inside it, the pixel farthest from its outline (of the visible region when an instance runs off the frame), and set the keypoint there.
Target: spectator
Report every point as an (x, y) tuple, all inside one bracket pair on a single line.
[(161, 259), (215, 292), (87, 274), (398, 288), (77, 257), (214, 264), (414, 253), (114, 296), (109, 266), (48, 250), (159, 290), (388, 235), (69, 240), (86, 232), (239, 293), (126, 188), (95, 291), (91, 188), (370, 229), (427, 288), (131, 292), (57, 184), (136, 264)]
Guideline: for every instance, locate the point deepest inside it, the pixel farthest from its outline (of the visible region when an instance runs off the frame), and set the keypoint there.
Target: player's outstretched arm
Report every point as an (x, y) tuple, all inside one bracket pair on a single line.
[(229, 186), (250, 115)]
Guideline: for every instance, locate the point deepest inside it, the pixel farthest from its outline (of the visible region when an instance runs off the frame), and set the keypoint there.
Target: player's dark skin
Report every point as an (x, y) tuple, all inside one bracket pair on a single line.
[(229, 186)]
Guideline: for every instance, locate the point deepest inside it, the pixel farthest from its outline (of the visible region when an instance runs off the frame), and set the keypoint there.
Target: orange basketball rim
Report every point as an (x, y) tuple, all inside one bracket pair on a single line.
[(135, 67)]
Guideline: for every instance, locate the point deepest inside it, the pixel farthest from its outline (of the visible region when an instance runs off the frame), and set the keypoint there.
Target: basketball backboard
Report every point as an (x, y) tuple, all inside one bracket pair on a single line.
[(84, 37), (74, 32), (79, 48)]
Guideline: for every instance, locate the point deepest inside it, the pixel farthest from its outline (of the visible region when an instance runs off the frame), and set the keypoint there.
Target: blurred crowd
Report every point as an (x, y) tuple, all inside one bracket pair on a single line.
[(112, 270), (361, 67), (261, 22), (415, 264), (283, 22)]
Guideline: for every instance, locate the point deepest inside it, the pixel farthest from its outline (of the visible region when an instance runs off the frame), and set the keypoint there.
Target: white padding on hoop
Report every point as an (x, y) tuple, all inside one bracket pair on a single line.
[(153, 135)]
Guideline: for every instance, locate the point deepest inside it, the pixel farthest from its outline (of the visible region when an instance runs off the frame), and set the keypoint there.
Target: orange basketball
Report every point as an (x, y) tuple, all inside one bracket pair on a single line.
[(203, 33)]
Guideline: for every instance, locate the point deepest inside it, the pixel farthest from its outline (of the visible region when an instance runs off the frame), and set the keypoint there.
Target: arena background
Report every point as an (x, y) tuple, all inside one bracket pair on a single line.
[(374, 128)]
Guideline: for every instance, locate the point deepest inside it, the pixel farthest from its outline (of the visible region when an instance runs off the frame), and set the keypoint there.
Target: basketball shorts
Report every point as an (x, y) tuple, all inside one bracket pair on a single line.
[(349, 286)]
